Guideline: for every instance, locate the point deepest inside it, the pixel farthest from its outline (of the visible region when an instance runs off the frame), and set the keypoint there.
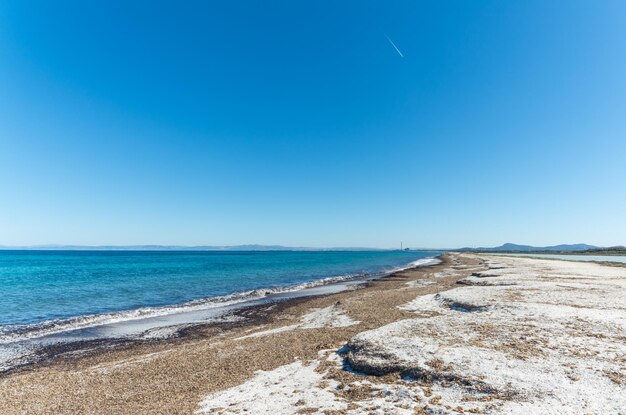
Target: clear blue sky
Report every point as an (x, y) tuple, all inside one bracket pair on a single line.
[(297, 123)]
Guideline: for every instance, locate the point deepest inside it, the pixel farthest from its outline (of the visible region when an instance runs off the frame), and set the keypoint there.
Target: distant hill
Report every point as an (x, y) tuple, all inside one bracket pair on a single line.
[(510, 247)]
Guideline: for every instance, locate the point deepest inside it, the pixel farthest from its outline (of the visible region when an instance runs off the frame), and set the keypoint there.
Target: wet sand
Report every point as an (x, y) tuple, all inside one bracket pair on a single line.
[(173, 376)]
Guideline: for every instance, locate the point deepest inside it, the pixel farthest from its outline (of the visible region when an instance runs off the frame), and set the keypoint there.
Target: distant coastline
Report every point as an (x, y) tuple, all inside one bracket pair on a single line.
[(252, 247), (507, 248)]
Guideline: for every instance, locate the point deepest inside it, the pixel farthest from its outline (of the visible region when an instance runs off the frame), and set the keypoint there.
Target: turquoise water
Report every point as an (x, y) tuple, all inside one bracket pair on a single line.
[(40, 287)]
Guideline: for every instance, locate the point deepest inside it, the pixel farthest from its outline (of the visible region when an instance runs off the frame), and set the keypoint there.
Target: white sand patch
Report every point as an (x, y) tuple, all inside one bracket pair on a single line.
[(448, 272), (331, 316), (554, 343), (419, 283), (302, 388), (285, 390)]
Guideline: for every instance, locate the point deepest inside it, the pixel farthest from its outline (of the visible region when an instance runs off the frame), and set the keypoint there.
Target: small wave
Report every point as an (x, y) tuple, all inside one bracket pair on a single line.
[(424, 262), (14, 333)]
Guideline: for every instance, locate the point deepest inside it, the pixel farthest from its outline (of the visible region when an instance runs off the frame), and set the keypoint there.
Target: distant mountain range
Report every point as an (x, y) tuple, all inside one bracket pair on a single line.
[(529, 248), (507, 247)]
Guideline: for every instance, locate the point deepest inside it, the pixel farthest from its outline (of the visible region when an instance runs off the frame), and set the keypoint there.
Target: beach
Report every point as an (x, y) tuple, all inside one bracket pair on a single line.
[(473, 334)]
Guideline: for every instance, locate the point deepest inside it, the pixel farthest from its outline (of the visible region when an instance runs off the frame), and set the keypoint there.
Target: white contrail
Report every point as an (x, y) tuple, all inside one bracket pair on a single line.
[(394, 46)]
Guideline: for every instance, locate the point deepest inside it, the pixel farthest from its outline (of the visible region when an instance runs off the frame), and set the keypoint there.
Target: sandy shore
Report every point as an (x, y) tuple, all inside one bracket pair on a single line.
[(475, 334)]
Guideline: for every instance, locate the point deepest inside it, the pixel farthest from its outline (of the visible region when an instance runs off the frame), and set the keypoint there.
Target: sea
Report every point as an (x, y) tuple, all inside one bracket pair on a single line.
[(51, 297)]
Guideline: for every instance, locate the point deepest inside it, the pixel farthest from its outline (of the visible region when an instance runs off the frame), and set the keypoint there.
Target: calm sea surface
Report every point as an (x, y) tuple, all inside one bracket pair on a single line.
[(40, 286)]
